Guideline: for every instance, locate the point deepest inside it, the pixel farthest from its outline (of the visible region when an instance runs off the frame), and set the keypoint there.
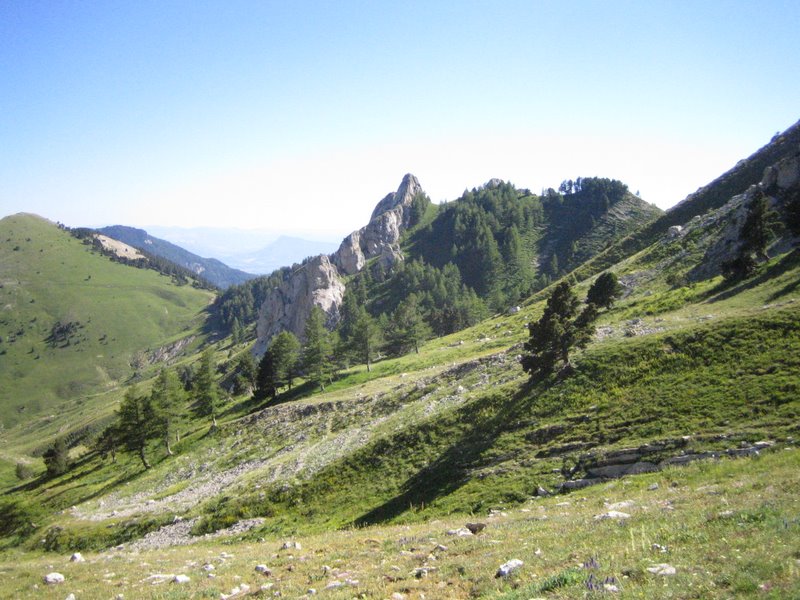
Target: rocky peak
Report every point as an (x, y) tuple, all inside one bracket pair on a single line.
[(409, 188), (381, 236), (318, 282)]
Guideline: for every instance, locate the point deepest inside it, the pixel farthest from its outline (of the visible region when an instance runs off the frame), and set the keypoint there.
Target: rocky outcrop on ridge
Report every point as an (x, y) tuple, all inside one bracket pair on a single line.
[(287, 306), (780, 182), (381, 235), (318, 282)]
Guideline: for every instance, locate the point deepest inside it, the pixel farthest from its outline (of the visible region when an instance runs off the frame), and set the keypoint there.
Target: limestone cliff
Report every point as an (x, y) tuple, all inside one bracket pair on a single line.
[(381, 235), (318, 282)]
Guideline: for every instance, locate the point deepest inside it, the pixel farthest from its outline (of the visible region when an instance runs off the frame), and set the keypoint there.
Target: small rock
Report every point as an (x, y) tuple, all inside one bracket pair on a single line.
[(461, 532), (398, 596), (475, 528), (660, 548), (311, 592), (507, 568), (208, 567), (77, 557), (440, 548), (333, 585), (652, 487), (181, 579), (662, 569), (52, 578), (291, 546), (612, 514), (618, 505), (263, 569), (70, 597), (541, 492)]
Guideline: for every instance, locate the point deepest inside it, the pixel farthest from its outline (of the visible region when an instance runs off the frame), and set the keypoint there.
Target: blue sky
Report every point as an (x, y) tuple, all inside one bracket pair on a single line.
[(300, 116)]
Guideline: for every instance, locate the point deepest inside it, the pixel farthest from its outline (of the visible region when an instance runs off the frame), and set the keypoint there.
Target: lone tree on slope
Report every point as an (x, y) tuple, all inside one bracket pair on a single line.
[(560, 329)]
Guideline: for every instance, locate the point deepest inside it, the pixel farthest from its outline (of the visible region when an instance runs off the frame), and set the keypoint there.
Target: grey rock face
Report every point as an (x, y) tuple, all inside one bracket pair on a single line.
[(319, 281), (286, 308), (381, 235)]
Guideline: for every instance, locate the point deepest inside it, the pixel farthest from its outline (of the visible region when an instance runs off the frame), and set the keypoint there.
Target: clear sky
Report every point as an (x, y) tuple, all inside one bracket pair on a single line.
[(295, 115)]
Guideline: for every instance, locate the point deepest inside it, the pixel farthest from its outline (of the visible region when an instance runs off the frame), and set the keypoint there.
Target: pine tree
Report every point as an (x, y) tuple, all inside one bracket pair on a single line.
[(167, 401), (560, 329), (237, 333), (410, 326), (278, 366), (365, 337), (205, 391), (137, 423), (605, 290), (246, 373), (317, 348), (56, 458)]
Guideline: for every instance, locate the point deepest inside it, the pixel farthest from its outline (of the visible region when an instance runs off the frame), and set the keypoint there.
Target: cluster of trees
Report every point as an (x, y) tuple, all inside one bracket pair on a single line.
[(160, 415), (564, 326)]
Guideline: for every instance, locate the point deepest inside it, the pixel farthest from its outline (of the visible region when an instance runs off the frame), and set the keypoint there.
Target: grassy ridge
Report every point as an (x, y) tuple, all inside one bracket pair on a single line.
[(110, 314)]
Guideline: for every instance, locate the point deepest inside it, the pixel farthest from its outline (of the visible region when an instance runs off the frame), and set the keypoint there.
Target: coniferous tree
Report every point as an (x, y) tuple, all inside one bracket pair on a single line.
[(278, 366), (237, 333), (205, 391), (108, 441), (137, 423), (246, 373), (605, 290), (410, 328), (365, 337), (167, 402), (56, 458), (317, 348), (560, 329)]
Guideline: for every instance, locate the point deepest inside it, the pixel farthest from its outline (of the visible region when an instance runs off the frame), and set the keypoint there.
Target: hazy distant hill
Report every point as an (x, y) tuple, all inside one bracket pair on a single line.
[(286, 250), (210, 269)]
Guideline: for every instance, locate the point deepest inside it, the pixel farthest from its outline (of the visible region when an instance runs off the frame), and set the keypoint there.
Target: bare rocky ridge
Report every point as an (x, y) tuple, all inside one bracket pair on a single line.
[(319, 282)]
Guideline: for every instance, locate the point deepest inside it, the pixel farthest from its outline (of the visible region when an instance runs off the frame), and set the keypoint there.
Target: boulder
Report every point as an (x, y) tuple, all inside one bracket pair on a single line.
[(77, 557), (53, 578), (508, 568), (181, 579)]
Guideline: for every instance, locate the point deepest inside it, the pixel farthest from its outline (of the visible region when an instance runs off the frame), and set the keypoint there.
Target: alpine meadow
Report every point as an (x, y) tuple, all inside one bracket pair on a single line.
[(515, 394)]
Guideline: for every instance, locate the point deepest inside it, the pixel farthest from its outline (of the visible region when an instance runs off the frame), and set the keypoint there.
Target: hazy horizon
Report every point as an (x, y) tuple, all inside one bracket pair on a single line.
[(301, 117)]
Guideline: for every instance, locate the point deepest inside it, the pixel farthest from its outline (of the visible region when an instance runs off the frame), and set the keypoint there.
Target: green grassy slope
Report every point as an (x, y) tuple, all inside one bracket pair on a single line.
[(111, 316)]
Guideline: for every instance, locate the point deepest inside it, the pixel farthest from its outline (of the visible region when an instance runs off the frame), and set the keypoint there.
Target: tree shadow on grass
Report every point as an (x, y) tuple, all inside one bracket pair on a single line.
[(453, 468)]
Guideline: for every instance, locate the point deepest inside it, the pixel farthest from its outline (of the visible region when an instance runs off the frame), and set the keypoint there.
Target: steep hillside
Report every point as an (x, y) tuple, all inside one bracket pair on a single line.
[(210, 269), (73, 323), (746, 173)]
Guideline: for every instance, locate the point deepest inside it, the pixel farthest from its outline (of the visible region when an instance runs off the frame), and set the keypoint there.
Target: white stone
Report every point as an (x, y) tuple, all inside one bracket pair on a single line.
[(181, 579), (54, 577), (612, 514), (263, 569), (507, 568), (662, 569), (77, 557), (70, 597)]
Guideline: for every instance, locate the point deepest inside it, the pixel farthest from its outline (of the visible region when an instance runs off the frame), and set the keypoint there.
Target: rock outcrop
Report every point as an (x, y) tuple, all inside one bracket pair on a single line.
[(318, 281), (286, 307), (381, 235), (780, 181)]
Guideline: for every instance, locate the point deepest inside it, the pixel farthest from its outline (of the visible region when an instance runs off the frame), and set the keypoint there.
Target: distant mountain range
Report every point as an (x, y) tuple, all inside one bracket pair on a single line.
[(210, 269), (254, 251)]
